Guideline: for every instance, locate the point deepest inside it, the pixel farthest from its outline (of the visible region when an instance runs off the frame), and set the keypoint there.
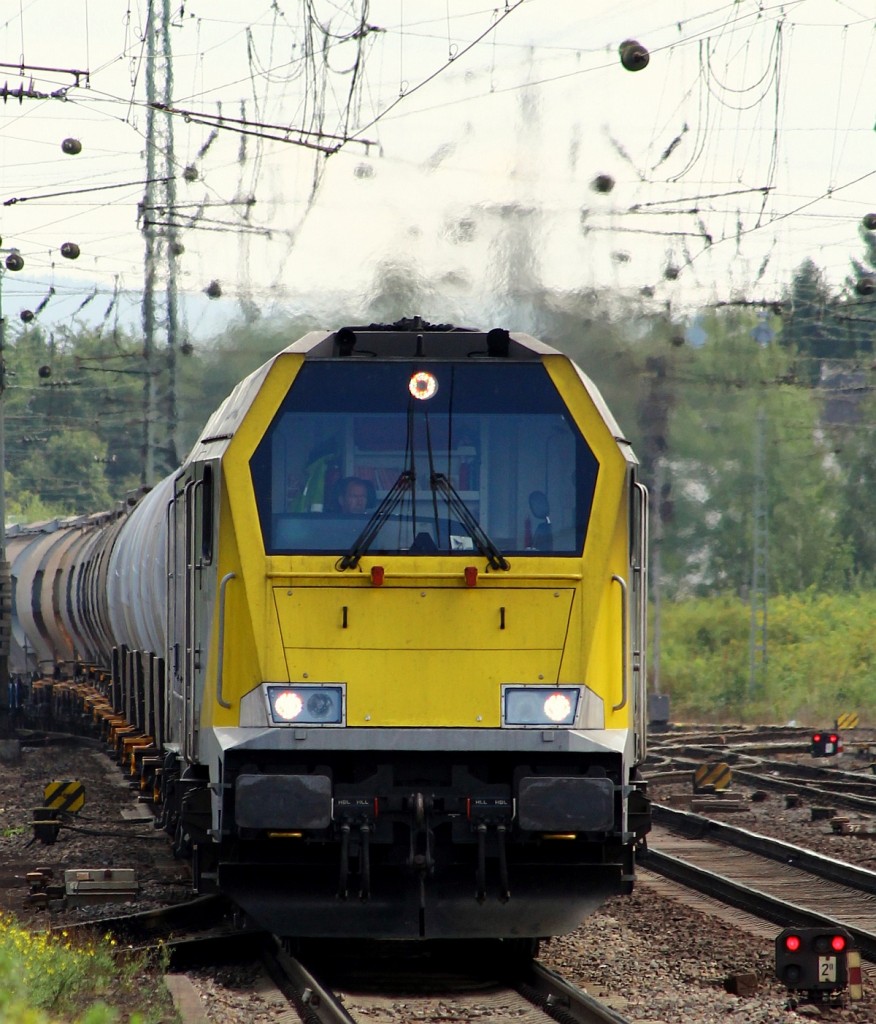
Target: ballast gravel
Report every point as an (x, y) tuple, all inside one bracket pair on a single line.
[(651, 956)]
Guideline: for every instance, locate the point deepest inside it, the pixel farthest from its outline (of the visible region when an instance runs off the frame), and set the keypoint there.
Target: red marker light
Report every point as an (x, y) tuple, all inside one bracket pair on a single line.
[(376, 575), (471, 575), (833, 737), (792, 943), (816, 738), (838, 943)]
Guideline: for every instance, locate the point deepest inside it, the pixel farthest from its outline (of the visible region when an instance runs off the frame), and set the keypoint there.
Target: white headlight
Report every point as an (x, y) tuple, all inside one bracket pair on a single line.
[(306, 705), (558, 707), (288, 705), (536, 706)]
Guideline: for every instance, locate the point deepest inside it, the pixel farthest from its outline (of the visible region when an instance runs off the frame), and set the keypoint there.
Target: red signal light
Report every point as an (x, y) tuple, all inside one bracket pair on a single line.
[(792, 943), (838, 943)]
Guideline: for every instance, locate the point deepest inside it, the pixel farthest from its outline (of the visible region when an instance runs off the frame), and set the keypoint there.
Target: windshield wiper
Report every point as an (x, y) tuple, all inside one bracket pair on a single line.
[(384, 510), (487, 548)]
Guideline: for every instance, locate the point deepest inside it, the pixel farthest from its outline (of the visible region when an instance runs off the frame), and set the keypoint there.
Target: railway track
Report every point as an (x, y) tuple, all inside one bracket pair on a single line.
[(841, 788), (382, 988), (346, 987), (144, 926), (351, 983), (775, 881)]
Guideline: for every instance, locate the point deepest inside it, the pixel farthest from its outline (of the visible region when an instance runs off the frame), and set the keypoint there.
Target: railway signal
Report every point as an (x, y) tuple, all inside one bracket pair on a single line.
[(826, 743), (814, 961)]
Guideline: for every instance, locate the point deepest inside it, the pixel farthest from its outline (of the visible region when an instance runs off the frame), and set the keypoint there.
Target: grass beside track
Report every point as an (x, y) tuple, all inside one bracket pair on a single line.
[(53, 979)]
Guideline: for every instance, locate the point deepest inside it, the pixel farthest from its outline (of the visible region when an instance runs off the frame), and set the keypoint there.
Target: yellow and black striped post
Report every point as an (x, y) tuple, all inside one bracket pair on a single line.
[(849, 720), (65, 796), (709, 778)]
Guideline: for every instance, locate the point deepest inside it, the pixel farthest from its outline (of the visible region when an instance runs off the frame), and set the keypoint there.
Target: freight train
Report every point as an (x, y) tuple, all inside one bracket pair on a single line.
[(379, 641)]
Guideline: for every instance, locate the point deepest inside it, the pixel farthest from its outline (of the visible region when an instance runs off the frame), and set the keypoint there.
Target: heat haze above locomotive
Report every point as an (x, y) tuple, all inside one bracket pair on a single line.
[(386, 625)]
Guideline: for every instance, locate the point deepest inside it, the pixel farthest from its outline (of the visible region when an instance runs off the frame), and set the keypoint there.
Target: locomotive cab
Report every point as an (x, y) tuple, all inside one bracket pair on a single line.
[(434, 699)]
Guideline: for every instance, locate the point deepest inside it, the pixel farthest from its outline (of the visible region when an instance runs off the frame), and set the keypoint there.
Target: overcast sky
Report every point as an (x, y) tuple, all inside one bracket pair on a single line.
[(475, 134)]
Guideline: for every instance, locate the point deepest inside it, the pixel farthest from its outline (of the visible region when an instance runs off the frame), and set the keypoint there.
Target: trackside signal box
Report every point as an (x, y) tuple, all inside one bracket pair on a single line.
[(826, 743), (814, 960)]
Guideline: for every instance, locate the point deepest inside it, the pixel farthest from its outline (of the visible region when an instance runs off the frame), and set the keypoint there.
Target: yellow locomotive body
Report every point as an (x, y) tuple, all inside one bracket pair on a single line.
[(421, 717)]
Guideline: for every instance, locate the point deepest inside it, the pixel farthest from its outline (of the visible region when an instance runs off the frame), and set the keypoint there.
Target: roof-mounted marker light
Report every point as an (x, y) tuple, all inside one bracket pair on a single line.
[(423, 385)]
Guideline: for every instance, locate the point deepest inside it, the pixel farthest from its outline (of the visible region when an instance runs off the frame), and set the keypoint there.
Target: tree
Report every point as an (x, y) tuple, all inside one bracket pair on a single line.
[(855, 452), (81, 388), (712, 457), (811, 326), (66, 474), (859, 310)]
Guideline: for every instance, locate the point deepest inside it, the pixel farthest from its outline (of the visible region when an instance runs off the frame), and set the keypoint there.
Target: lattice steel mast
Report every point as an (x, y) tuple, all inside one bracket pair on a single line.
[(162, 250)]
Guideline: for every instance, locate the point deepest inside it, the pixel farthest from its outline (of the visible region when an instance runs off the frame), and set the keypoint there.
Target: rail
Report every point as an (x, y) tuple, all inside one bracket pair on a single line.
[(565, 1002)]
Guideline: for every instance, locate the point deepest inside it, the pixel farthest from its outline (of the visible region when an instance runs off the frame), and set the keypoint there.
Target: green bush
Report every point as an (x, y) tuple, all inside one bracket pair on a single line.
[(820, 659), (46, 978)]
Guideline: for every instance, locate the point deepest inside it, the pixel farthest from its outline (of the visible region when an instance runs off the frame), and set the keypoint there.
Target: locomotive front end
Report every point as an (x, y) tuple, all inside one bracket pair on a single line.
[(415, 708)]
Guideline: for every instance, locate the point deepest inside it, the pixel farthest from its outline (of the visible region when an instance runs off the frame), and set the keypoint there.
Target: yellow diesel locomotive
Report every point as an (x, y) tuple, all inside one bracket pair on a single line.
[(385, 630)]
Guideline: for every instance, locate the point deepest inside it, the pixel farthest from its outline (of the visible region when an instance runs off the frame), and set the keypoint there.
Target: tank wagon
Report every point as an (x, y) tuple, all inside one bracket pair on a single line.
[(419, 714)]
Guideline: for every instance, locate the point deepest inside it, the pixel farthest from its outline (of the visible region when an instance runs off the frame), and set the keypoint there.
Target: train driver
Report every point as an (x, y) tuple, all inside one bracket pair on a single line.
[(353, 495)]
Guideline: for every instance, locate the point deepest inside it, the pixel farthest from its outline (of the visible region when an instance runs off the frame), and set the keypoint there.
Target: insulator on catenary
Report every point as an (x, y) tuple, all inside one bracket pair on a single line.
[(26, 315), (71, 147), (14, 261), (213, 290), (870, 221), (865, 285), (603, 183), (190, 173), (633, 55), (70, 251)]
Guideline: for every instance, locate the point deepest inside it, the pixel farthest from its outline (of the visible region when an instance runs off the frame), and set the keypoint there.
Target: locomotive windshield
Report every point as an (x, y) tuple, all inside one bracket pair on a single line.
[(403, 458)]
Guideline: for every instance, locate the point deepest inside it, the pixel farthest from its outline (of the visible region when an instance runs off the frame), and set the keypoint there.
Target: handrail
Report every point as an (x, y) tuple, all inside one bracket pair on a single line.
[(220, 667), (191, 617), (624, 652), (640, 669)]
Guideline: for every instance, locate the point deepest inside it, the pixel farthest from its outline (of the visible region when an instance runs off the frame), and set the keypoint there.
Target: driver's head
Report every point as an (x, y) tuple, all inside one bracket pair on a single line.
[(354, 496)]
